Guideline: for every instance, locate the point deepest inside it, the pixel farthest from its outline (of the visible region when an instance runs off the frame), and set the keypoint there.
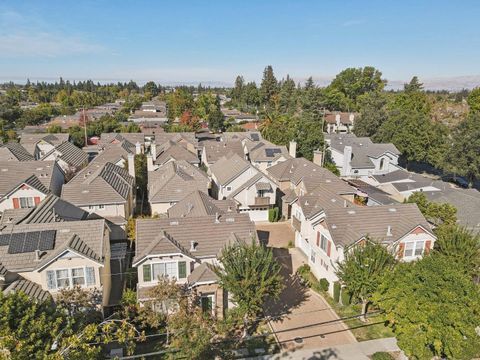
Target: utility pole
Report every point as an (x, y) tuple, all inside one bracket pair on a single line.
[(323, 146), (85, 125)]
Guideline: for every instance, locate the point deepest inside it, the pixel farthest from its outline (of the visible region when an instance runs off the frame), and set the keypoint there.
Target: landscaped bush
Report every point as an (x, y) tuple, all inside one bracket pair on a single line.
[(273, 214), (324, 284), (346, 297), (381, 355), (336, 291)]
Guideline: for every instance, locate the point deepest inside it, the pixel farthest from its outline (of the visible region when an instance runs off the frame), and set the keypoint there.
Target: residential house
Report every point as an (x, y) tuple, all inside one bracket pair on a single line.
[(25, 185), (298, 176), (198, 203), (328, 229), (401, 184), (41, 259), (186, 249), (255, 196), (339, 122), (263, 154), (69, 157), (170, 151), (360, 157), (213, 150), (106, 187), (171, 182), (13, 151), (229, 173), (38, 145)]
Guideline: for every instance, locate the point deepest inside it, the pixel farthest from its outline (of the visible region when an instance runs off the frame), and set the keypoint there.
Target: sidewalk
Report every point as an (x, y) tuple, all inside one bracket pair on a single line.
[(355, 351)]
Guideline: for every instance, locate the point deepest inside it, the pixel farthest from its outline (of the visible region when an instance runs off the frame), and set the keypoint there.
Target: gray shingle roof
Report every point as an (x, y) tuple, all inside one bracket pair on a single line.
[(265, 151), (203, 273), (215, 150), (67, 236), (198, 203), (107, 184), (175, 151), (14, 151), (209, 235), (29, 288), (377, 195), (228, 168), (174, 180), (348, 225), (71, 154), (12, 175), (393, 176), (362, 148), (30, 141)]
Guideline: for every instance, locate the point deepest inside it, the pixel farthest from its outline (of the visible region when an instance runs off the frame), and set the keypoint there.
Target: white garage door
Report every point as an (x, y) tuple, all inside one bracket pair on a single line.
[(258, 215)]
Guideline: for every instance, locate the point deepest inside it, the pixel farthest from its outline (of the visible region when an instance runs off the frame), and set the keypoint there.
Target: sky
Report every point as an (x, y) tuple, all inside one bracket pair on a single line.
[(213, 41)]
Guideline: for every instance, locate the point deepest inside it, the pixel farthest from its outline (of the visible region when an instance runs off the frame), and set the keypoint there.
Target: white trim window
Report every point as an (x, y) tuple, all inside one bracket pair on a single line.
[(207, 303), (323, 243), (66, 278), (172, 269), (414, 248), (312, 256), (27, 202)]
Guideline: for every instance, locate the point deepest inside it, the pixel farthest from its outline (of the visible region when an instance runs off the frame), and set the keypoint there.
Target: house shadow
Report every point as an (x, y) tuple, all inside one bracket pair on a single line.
[(294, 292)]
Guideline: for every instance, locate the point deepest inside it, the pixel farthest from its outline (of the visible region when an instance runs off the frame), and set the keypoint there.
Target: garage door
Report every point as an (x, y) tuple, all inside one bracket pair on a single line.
[(258, 215)]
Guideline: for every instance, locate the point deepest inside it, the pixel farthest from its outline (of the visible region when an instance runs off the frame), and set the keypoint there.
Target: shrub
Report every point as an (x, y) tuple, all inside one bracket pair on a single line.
[(271, 214), (382, 355), (346, 297), (336, 291), (290, 244), (324, 284)]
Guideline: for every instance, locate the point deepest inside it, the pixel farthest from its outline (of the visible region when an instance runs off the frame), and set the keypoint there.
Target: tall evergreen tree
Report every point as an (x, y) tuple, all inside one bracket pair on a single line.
[(269, 88)]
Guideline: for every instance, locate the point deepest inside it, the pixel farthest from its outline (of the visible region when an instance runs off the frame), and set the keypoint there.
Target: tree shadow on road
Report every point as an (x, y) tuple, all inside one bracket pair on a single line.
[(294, 293)]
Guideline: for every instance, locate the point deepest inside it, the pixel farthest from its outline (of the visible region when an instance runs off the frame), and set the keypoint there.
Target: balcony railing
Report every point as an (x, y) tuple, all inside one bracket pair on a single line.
[(297, 224), (262, 201)]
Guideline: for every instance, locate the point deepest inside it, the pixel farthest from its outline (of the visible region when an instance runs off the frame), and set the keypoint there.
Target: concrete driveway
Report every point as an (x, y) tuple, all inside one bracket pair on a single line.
[(276, 234), (303, 320)]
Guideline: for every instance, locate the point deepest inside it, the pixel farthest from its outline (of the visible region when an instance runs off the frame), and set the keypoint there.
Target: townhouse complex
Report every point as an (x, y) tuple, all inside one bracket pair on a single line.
[(65, 210)]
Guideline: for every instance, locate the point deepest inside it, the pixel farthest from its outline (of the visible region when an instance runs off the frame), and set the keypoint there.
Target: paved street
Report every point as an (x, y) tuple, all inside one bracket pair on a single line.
[(354, 351), (304, 320)]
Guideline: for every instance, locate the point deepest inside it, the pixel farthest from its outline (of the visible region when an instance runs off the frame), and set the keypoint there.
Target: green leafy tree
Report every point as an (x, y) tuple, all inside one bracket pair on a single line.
[(354, 82), (372, 108), (151, 89), (463, 157), (54, 129), (237, 92), (436, 213), (287, 103), (362, 271), (215, 116), (460, 246), (473, 100), (251, 275), (433, 307)]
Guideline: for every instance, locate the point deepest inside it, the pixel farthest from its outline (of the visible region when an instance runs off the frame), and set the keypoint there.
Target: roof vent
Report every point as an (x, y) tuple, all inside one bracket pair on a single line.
[(173, 223), (4, 170), (85, 191), (193, 245), (389, 230), (392, 209), (351, 212), (230, 220), (38, 254), (334, 226), (328, 181)]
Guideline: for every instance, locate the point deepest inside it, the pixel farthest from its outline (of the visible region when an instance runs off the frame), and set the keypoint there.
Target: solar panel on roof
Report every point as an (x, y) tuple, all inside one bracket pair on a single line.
[(255, 137), (47, 240), (31, 241), (4, 239), (272, 152), (16, 243)]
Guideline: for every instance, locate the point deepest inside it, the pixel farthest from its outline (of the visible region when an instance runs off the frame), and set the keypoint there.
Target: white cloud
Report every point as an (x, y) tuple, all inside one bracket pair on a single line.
[(24, 36)]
